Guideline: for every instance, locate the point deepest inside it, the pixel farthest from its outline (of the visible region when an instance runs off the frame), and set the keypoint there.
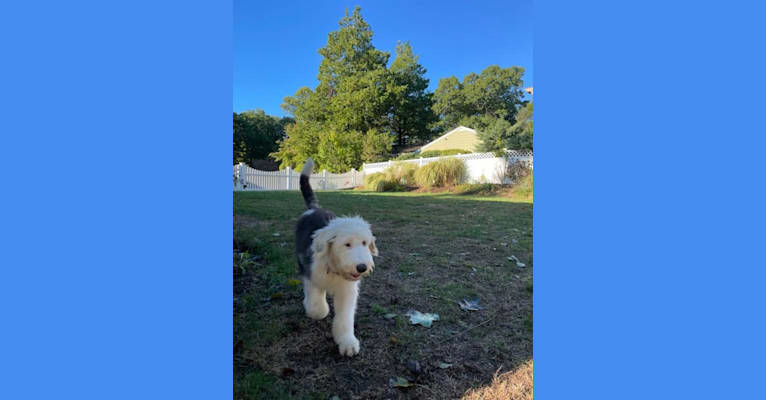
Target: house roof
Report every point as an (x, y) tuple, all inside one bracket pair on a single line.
[(458, 129)]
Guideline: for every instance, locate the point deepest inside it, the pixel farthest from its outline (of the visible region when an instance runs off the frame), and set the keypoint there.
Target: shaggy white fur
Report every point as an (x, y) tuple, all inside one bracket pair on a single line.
[(342, 256)]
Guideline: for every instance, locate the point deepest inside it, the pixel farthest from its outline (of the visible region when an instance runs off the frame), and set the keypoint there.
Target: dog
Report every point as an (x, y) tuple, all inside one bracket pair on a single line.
[(334, 254)]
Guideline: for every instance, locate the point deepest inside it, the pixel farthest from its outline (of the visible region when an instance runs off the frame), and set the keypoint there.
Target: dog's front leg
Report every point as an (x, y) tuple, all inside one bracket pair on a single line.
[(315, 300), (343, 324)]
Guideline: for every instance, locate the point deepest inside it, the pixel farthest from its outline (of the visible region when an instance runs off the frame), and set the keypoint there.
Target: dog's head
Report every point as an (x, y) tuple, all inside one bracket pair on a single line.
[(345, 247)]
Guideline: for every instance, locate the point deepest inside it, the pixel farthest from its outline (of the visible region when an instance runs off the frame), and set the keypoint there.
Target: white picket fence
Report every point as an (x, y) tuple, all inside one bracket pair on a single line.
[(482, 167), (247, 178)]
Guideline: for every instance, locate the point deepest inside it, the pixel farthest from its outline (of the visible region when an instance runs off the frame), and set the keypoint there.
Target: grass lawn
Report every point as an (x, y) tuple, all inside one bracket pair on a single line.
[(435, 250)]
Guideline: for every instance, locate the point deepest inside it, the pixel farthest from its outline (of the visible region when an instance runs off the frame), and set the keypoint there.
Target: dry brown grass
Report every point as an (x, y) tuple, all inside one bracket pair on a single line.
[(511, 385)]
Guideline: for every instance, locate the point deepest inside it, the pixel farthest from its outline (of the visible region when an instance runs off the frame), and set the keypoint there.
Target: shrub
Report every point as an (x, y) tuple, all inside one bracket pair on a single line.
[(371, 180), (388, 186), (439, 153), (516, 171), (405, 156), (448, 172), (476, 188), (430, 153), (379, 182), (402, 173)]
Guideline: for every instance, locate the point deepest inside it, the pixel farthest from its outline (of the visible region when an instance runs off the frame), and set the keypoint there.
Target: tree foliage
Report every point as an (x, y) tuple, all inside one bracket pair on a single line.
[(411, 113), (491, 103), (361, 106), (501, 134), (256, 135), (343, 122)]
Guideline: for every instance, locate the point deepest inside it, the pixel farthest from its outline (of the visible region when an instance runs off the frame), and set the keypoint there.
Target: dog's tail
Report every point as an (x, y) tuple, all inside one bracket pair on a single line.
[(308, 193)]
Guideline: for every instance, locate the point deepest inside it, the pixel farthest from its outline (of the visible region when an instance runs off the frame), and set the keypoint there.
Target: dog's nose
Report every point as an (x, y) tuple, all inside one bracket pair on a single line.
[(361, 267)]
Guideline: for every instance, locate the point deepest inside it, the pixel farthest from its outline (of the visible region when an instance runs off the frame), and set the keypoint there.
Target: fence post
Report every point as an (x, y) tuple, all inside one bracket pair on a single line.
[(353, 177), (389, 163), (324, 179), (236, 177), (289, 176), (243, 176), (420, 163)]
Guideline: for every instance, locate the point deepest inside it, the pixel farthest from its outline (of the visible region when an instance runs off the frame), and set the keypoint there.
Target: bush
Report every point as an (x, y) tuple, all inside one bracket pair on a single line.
[(516, 171), (451, 171), (379, 182), (405, 156), (476, 188), (439, 153), (371, 180), (388, 186), (430, 153), (401, 173)]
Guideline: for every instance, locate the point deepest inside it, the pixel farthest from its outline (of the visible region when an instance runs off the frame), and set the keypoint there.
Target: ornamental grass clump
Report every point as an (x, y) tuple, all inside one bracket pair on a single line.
[(448, 172)]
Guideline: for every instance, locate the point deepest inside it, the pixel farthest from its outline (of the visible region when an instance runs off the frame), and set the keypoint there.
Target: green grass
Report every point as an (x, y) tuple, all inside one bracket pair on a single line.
[(435, 250)]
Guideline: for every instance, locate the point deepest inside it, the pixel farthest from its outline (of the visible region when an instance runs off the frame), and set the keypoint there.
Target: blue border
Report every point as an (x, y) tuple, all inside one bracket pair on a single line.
[(648, 215), (121, 217), (648, 201)]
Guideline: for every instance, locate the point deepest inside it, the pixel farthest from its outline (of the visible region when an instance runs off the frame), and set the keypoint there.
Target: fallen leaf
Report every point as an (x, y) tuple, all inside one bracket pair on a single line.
[(399, 382), (394, 340), (283, 244), (416, 317), (516, 260), (445, 365), (470, 305), (294, 282)]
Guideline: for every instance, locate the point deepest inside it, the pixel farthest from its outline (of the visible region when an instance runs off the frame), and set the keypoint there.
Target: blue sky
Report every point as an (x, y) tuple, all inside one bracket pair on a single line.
[(276, 42)]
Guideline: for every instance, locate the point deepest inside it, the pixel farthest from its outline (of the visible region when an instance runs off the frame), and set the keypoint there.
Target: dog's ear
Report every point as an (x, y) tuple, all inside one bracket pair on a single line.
[(373, 248), (322, 245)]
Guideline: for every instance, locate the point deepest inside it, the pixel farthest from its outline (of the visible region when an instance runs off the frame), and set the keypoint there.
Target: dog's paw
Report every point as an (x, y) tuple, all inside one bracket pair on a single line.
[(348, 345), (317, 310)]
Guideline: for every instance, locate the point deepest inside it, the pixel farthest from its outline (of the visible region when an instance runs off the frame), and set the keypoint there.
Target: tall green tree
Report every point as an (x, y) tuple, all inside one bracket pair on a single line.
[(411, 114), (343, 121)]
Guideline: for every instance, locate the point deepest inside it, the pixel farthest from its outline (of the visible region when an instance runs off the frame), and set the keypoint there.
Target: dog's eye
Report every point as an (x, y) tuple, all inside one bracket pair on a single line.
[(348, 244)]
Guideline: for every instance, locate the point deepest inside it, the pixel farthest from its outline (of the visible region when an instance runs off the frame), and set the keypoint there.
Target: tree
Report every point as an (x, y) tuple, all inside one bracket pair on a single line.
[(489, 102), (256, 135), (521, 132), (411, 113), (343, 121), (499, 134)]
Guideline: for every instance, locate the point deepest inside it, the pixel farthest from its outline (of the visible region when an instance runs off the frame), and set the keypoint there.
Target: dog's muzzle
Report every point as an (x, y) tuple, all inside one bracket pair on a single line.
[(361, 271)]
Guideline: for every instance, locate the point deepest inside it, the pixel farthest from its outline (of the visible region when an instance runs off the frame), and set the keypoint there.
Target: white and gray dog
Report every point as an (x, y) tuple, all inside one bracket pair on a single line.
[(334, 254)]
